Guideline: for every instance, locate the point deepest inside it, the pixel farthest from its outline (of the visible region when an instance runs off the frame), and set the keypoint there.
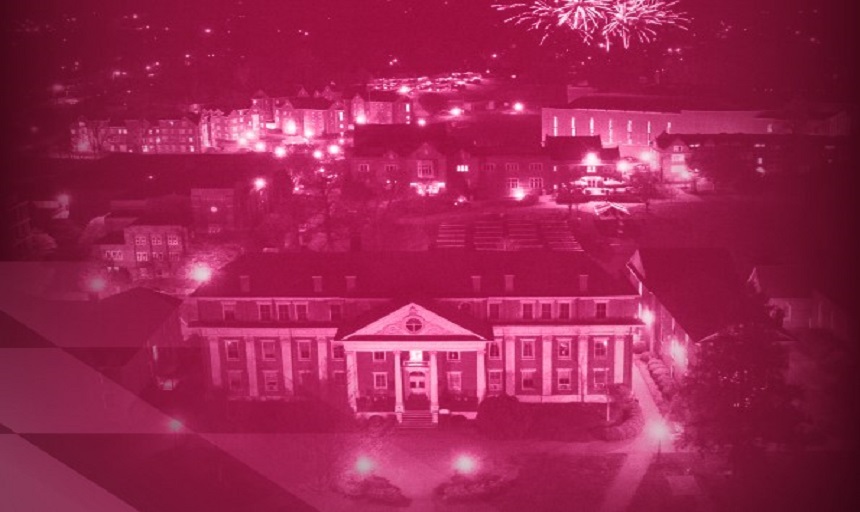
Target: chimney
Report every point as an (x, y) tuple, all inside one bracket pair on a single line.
[(245, 284), (476, 284), (350, 284), (317, 284), (509, 283), (583, 283)]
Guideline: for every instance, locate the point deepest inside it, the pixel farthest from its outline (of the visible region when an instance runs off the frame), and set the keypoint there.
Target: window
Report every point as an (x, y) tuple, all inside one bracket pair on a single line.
[(678, 158), (270, 382), (390, 168), (235, 381), (527, 381), (555, 126), (380, 380), (379, 356), (564, 311), (425, 169), (140, 240), (528, 311), (455, 382), (304, 351), (564, 380), (157, 240), (302, 312), (265, 312), (141, 256), (536, 167), (535, 183), (573, 127), (495, 380), (158, 256), (231, 347), (268, 350), (337, 352), (546, 311), (335, 312), (600, 310), (495, 351), (600, 379), (512, 167), (564, 349), (229, 312), (453, 356), (513, 183), (493, 310), (600, 348), (488, 167), (172, 239), (339, 378), (414, 325), (283, 312), (462, 168), (528, 349)]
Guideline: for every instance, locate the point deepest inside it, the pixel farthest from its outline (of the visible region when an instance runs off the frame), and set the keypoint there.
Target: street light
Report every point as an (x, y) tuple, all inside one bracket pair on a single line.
[(280, 152), (465, 464), (518, 107), (364, 465), (259, 184), (456, 111), (647, 317), (659, 431), (201, 273)]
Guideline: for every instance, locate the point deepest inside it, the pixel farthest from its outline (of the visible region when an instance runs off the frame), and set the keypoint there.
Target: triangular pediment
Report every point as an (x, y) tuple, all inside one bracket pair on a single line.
[(415, 321)]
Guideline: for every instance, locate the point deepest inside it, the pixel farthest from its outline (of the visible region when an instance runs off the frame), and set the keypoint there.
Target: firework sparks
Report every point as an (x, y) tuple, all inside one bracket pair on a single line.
[(627, 20)]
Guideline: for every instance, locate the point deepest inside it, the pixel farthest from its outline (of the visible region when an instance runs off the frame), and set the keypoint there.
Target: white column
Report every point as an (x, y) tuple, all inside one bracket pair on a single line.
[(546, 366), (322, 359), (434, 387), (251, 357), (482, 375), (510, 365), (618, 370), (287, 365), (582, 364), (351, 379), (398, 385), (215, 362)]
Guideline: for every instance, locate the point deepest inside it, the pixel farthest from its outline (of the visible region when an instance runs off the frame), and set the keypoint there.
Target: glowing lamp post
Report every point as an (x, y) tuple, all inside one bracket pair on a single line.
[(259, 184), (260, 146), (334, 149), (422, 121), (364, 466), (647, 317), (97, 284), (519, 194), (518, 107), (456, 111), (465, 465), (318, 154), (280, 152), (660, 432), (201, 273)]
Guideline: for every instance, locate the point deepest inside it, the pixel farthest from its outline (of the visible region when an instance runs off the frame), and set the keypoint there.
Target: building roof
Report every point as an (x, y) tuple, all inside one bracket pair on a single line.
[(310, 103), (413, 275), (403, 139), (698, 286), (576, 148), (446, 311), (650, 103), (784, 281), (664, 140)]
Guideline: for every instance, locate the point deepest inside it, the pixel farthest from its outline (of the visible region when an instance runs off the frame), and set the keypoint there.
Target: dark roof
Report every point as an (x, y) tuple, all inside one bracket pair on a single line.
[(309, 103), (446, 311), (784, 281), (576, 148), (115, 238), (407, 274), (498, 132), (376, 140), (664, 140), (698, 286), (384, 96), (649, 103)]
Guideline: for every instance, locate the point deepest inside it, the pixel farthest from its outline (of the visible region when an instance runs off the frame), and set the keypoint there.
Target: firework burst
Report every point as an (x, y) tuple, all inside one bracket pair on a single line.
[(627, 20)]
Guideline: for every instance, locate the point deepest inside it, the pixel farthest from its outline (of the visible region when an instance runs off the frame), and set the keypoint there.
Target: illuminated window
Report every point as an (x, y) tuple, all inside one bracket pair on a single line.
[(535, 183), (495, 380), (304, 351), (564, 380), (591, 126), (528, 349), (337, 352), (156, 240), (564, 349), (527, 380), (425, 169), (140, 240), (462, 168), (379, 356), (555, 126), (265, 312), (268, 349), (380, 380), (271, 382), (573, 127), (455, 382), (453, 356), (142, 256), (495, 351), (599, 379), (231, 348), (172, 240), (600, 348)]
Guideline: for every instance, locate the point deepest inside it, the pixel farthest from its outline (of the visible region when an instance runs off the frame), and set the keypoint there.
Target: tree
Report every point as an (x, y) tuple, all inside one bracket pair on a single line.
[(644, 184), (735, 398), (723, 165)]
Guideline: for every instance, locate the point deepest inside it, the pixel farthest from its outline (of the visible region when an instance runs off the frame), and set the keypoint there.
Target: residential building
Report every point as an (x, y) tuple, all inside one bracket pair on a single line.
[(147, 247), (171, 136), (378, 107), (389, 333), (310, 117)]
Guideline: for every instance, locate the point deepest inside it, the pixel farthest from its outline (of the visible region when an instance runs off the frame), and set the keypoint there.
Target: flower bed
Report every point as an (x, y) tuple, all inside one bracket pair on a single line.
[(467, 488), (374, 489), (660, 383)]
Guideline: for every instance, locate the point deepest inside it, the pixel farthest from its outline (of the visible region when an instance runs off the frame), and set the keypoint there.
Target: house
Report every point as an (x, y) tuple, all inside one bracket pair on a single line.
[(378, 107), (149, 246), (133, 338), (582, 162), (687, 294), (171, 136), (410, 333), (310, 117)]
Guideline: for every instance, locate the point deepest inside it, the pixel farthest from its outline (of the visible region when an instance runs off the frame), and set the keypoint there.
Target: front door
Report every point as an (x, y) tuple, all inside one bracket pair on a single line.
[(417, 383), (417, 397)]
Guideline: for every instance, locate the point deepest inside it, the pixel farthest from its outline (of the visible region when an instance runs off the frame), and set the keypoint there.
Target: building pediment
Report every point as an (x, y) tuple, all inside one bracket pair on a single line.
[(415, 322)]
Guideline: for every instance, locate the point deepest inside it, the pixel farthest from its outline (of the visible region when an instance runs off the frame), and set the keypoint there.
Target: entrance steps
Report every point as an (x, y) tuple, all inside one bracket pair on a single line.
[(417, 420)]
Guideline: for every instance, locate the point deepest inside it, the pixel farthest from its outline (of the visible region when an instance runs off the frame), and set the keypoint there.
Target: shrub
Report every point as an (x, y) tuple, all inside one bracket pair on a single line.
[(503, 417), (374, 489), (467, 488)]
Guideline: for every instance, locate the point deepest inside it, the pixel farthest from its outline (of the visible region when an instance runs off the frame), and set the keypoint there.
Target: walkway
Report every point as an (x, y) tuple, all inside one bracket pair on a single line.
[(639, 453)]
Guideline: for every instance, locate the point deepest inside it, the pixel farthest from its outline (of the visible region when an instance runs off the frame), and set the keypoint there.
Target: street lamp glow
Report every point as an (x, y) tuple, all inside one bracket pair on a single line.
[(645, 156), (422, 121), (260, 146), (309, 133), (97, 284), (518, 107), (647, 317), (242, 141), (456, 111), (334, 149), (318, 154), (280, 152), (465, 465), (624, 166), (259, 184), (404, 89), (363, 466), (591, 159), (175, 425), (360, 119), (519, 194), (201, 273)]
